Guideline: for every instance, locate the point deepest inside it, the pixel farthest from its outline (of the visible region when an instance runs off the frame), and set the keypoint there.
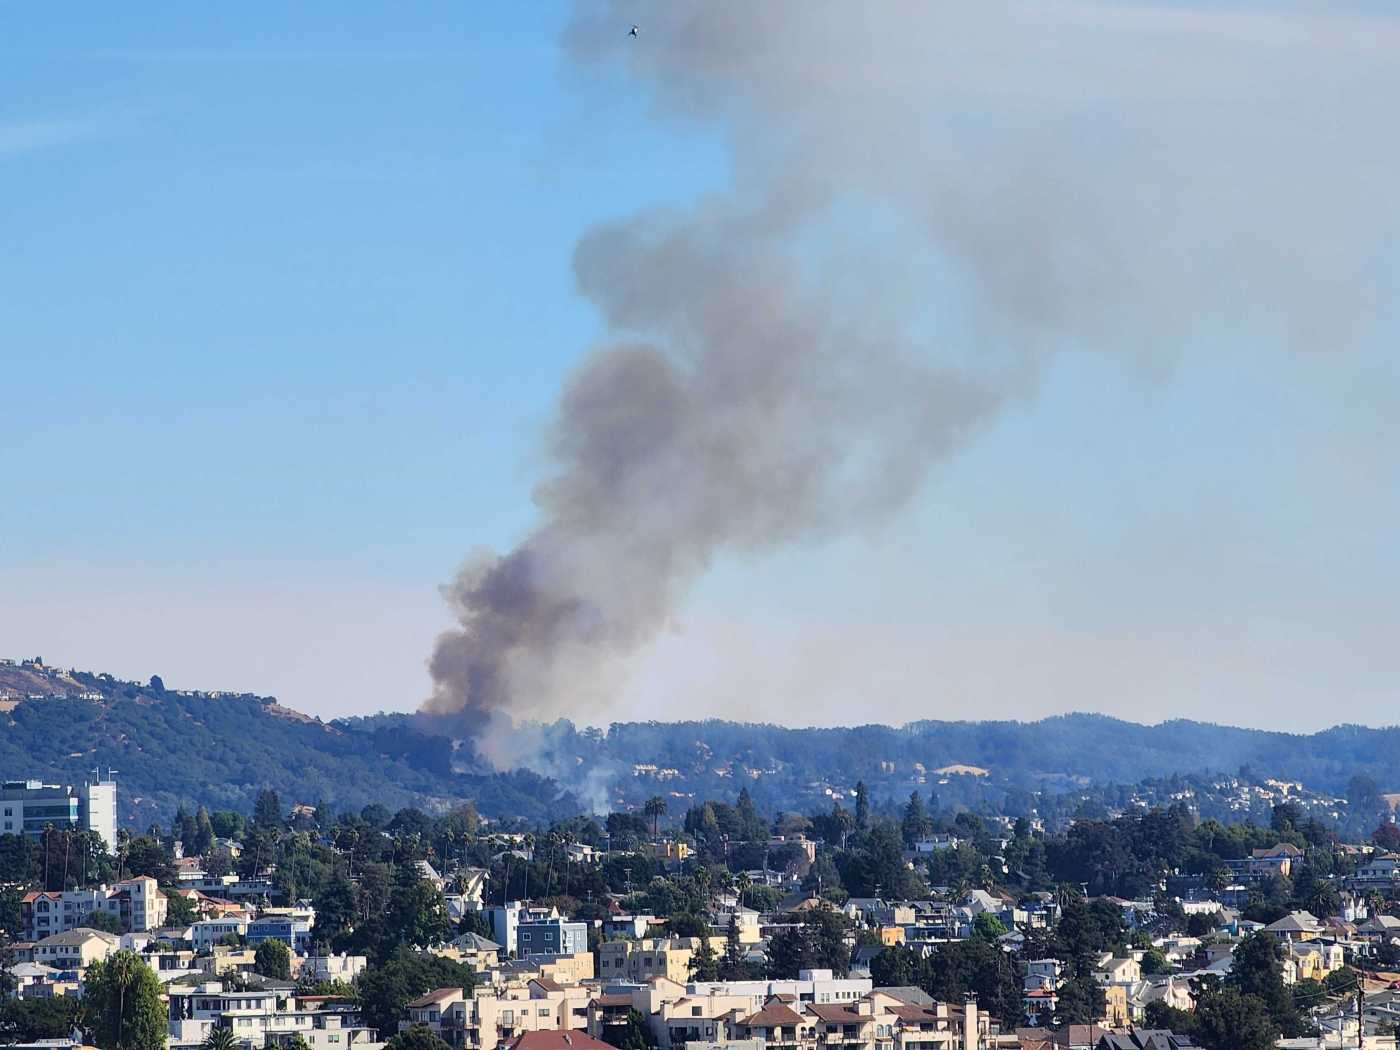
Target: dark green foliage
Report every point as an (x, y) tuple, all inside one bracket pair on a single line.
[(386, 989), (1081, 997), (273, 959), (632, 1034), (104, 921), (819, 941), (122, 1004), (28, 1020), (705, 963), (176, 750), (179, 910), (1225, 1019), (955, 971), (416, 1038), (1257, 974)]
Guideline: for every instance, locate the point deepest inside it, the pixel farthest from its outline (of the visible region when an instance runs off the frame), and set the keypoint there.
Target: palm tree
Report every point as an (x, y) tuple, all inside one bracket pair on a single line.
[(220, 1039), (655, 808), (741, 883)]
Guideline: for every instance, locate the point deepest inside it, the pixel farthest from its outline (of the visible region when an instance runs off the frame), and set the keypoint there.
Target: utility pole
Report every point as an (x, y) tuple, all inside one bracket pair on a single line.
[(1360, 1002)]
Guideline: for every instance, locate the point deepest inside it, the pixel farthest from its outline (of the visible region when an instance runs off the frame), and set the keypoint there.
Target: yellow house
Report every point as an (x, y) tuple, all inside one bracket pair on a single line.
[(1116, 1013), (649, 957), (890, 936), (670, 850)]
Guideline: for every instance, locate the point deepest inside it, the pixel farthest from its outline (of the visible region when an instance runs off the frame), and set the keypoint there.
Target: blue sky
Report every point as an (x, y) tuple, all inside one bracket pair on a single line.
[(286, 300)]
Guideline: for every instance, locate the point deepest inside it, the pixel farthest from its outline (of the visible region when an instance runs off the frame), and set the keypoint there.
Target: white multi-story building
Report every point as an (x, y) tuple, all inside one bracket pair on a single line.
[(136, 904), (811, 986), (29, 806), (208, 932), (262, 1019)]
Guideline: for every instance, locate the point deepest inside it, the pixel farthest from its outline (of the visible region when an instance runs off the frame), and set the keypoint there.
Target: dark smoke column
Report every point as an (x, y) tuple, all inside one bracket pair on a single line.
[(746, 415)]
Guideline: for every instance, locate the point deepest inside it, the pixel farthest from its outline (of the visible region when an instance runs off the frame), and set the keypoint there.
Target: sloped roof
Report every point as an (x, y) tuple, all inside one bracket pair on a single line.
[(773, 1015), (906, 993), (1295, 922), (555, 1039), (437, 995), (838, 1013)]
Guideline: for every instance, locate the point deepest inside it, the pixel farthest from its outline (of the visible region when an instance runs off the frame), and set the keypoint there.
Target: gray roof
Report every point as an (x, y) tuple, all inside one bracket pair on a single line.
[(474, 942), (907, 994)]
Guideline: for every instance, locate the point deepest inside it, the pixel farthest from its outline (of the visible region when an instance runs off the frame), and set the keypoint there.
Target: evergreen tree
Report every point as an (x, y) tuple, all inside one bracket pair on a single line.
[(862, 806), (916, 824), (273, 959), (122, 1005), (704, 963)]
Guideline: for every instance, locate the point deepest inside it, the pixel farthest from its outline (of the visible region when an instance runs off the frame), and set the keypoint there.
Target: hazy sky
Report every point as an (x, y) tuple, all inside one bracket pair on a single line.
[(287, 297)]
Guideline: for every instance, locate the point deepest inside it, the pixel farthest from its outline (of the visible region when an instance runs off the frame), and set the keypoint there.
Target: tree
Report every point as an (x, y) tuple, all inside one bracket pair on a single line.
[(896, 967), (632, 1034), (122, 1004), (862, 806), (655, 809), (1225, 1019), (267, 811), (916, 823), (104, 921), (336, 909), (1081, 998), (1154, 961), (704, 963), (273, 959), (203, 833), (418, 1037), (30, 1020), (1257, 972), (988, 926), (179, 909), (1387, 837), (220, 1039), (386, 989)]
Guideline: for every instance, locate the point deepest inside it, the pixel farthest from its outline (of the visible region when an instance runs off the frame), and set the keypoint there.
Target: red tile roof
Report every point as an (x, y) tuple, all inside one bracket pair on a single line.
[(773, 1015), (557, 1040)]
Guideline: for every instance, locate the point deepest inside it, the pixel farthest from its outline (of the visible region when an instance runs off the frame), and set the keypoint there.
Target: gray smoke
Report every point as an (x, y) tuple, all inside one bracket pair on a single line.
[(925, 201)]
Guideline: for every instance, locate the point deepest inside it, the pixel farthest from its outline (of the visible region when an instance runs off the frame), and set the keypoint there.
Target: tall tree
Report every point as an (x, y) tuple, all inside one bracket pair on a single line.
[(267, 811), (862, 806), (273, 959), (916, 823), (655, 809), (122, 1004)]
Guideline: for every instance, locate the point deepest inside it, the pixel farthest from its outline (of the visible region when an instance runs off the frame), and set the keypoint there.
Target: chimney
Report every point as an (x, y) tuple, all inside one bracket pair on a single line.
[(970, 1026)]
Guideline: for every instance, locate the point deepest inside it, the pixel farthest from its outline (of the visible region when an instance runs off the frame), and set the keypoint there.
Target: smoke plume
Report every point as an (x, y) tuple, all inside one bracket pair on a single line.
[(925, 201)]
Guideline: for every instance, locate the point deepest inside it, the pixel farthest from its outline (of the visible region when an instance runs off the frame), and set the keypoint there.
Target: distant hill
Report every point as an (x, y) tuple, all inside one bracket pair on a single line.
[(173, 748), (220, 749)]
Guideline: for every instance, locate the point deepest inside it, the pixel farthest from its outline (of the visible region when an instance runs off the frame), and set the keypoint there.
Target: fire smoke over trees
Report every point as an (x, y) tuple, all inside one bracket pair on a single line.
[(922, 207)]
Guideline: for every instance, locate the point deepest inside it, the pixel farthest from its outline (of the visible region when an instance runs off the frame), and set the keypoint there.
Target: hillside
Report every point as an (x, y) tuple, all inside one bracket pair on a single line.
[(175, 748), (178, 748)]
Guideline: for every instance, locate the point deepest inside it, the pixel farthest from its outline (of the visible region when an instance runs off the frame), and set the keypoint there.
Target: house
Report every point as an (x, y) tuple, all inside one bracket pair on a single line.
[(492, 1017), (641, 960), (342, 967), (478, 951), (669, 851), (1295, 926), (1144, 1039), (74, 949), (269, 1016), (208, 932), (1379, 873), (551, 937), (292, 927)]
